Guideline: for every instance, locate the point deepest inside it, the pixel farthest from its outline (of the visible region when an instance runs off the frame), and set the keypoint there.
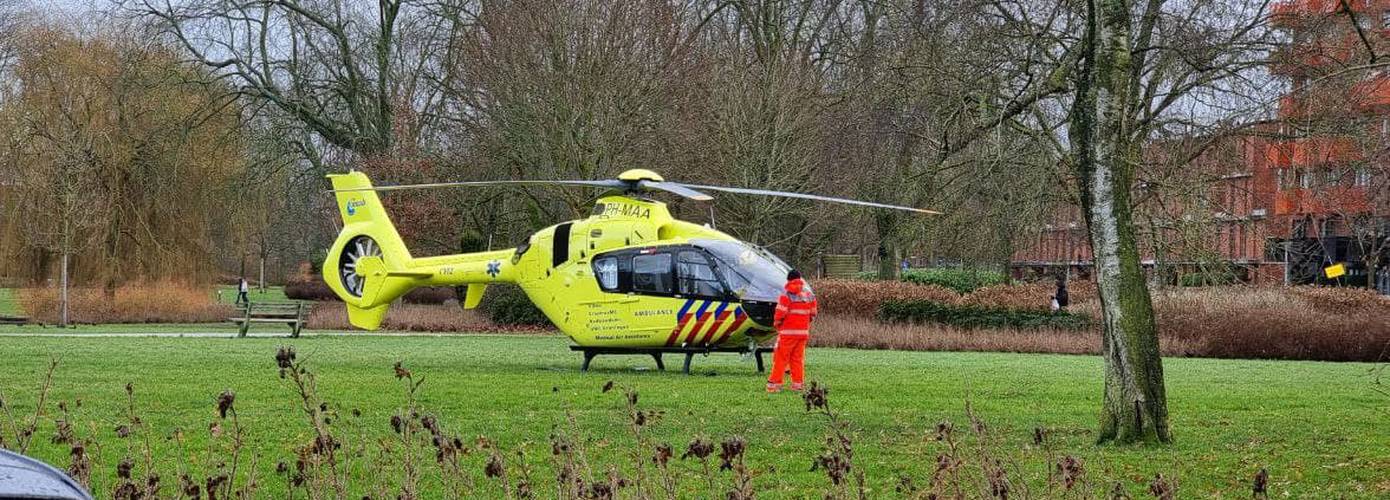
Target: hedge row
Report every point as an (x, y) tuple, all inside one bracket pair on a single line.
[(958, 280), (862, 298), (507, 305), (969, 316), (316, 290), (504, 304)]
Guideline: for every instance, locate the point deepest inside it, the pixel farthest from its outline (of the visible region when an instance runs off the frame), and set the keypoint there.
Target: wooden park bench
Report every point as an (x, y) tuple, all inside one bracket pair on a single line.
[(590, 352), (294, 314), (13, 320)]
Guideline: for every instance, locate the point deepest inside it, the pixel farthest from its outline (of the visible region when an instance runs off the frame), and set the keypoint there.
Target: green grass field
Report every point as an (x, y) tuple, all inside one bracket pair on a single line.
[(227, 294), (1320, 428), (9, 303)]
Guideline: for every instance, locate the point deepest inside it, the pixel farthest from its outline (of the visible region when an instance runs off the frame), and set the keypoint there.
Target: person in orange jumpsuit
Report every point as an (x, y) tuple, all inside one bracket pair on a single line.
[(795, 310)]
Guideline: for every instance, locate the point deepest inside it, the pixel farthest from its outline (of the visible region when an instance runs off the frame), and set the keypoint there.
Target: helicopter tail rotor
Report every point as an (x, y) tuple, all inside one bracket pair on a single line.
[(369, 265), (358, 265)]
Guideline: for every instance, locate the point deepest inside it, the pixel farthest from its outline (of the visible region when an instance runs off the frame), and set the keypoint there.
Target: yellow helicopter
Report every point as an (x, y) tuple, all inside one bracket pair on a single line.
[(628, 276)]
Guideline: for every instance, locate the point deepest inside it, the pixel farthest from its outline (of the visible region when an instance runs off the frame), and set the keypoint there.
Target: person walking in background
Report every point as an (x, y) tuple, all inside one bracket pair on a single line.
[(241, 292), (795, 310), (1060, 299), (905, 265)]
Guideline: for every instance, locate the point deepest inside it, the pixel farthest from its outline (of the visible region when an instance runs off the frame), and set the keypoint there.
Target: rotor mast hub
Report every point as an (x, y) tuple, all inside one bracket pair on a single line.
[(640, 174)]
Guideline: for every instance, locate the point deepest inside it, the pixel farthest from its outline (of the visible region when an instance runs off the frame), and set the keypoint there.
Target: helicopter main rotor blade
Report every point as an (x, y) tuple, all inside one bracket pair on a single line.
[(804, 196), (612, 184), (674, 188)]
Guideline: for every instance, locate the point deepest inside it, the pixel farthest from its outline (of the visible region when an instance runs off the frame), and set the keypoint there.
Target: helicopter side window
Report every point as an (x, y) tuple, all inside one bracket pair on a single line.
[(651, 273), (606, 269), (560, 245), (696, 277)]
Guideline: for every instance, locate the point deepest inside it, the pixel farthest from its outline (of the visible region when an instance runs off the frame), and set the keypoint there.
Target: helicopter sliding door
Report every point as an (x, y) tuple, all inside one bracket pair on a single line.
[(709, 314), (674, 296), (652, 282)]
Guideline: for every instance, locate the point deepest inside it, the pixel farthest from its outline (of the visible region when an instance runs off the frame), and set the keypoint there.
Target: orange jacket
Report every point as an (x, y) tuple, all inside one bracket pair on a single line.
[(795, 309)]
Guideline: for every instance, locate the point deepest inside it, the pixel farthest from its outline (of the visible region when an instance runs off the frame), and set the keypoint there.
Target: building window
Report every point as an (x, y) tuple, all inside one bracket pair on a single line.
[(1333, 178), (1282, 180), (1363, 177), (1305, 181), (1385, 19)]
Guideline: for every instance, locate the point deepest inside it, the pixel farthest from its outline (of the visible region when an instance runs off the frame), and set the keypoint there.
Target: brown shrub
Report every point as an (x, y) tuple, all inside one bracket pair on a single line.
[(862, 298), (139, 302), (310, 289), (315, 289), (860, 333), (1029, 296), (1332, 324), (1342, 300), (1221, 322), (415, 318)]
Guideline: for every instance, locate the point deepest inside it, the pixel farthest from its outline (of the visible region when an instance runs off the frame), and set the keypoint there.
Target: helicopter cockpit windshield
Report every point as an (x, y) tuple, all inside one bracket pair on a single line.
[(751, 272)]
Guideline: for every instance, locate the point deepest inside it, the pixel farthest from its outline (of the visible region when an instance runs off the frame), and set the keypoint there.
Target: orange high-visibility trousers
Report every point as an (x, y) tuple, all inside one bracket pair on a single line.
[(789, 354)]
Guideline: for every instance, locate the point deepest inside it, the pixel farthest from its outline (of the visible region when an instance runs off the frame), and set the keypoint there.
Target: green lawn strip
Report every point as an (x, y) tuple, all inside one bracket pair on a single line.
[(227, 294), (9, 303), (1318, 427)]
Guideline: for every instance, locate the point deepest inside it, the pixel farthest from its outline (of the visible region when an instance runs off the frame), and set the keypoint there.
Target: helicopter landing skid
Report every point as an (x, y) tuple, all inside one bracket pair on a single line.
[(656, 352)]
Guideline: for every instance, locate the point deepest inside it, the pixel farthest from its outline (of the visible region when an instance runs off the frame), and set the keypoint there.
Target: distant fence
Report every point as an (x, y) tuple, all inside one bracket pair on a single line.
[(1383, 281), (840, 266)]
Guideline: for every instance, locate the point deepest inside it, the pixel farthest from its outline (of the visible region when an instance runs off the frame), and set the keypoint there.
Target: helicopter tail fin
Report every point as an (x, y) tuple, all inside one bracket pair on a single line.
[(367, 266)]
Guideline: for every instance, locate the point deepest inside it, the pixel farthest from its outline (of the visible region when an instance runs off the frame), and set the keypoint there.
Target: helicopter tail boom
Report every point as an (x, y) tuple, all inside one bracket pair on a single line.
[(369, 266)]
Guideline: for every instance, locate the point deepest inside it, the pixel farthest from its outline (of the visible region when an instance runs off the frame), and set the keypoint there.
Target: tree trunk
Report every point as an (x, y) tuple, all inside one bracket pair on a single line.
[(888, 251), (63, 293), (888, 257), (1371, 270), (1107, 148)]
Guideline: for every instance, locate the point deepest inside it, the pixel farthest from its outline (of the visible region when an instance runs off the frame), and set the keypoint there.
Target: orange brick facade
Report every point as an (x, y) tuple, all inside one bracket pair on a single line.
[(1278, 201)]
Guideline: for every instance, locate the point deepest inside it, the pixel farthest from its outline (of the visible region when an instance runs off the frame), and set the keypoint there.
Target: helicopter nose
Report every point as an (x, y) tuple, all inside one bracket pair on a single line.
[(760, 312)]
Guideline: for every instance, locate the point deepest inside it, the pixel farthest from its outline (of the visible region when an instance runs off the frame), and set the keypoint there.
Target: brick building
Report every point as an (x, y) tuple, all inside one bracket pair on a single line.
[(1275, 202), (1209, 216)]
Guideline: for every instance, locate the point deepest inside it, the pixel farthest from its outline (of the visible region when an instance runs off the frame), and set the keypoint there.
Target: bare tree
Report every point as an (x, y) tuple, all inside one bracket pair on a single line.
[(342, 68), (59, 164), (1140, 60)]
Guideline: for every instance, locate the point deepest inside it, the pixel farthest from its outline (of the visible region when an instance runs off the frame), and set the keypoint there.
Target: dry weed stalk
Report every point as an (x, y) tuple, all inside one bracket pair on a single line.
[(968, 464)]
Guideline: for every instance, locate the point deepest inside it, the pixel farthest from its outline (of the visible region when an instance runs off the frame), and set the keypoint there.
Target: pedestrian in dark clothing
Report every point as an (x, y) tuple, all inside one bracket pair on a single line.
[(241, 293), (1061, 296)]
